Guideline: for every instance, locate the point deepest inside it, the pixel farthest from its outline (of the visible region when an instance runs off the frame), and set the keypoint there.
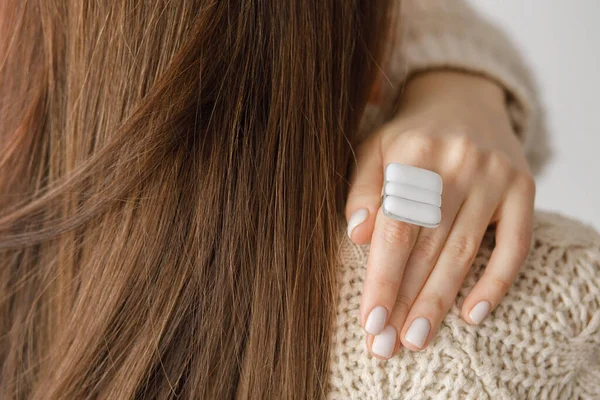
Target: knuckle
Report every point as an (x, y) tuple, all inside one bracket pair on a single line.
[(420, 146), (463, 154), (425, 250), (437, 304), (403, 304), (522, 246), (386, 284), (463, 250), (525, 182), (397, 234), (462, 144), (364, 190), (499, 285), (499, 163)]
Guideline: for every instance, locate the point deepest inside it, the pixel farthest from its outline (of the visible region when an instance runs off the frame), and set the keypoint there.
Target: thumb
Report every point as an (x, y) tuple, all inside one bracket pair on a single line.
[(364, 196)]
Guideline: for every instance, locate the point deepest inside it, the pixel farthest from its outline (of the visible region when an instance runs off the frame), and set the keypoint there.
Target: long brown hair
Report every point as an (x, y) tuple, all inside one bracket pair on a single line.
[(171, 175)]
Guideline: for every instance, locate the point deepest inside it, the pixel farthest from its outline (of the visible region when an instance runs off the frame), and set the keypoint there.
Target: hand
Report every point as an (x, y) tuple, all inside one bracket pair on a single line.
[(456, 125)]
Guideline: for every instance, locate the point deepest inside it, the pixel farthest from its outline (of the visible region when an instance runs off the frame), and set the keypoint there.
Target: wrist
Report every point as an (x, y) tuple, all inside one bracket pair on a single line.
[(453, 87)]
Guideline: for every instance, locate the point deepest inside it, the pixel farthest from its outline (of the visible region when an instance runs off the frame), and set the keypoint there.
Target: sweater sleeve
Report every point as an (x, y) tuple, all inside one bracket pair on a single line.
[(451, 34)]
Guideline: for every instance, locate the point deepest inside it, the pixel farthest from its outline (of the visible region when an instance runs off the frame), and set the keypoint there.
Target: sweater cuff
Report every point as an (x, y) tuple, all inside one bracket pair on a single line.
[(433, 41)]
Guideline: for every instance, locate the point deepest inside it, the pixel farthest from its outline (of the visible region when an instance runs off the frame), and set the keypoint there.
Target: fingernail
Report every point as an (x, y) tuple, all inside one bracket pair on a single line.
[(383, 344), (376, 320), (418, 331), (479, 312), (356, 219)]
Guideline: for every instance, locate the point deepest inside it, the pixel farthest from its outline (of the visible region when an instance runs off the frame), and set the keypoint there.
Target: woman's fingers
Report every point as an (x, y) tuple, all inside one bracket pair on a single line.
[(513, 241), (390, 249), (440, 290), (364, 197), (391, 245), (422, 260), (413, 274)]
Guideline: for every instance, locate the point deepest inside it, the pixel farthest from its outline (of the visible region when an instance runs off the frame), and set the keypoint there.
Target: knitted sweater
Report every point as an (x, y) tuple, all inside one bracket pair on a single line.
[(543, 339)]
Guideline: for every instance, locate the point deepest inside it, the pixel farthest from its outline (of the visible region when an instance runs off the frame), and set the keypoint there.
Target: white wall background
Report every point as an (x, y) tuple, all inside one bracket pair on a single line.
[(561, 42)]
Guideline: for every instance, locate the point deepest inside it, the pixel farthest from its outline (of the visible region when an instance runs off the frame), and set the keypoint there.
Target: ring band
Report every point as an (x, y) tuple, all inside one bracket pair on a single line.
[(412, 195)]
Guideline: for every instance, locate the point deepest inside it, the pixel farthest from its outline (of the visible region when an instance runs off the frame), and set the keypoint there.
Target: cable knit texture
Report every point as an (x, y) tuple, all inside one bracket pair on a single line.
[(543, 340)]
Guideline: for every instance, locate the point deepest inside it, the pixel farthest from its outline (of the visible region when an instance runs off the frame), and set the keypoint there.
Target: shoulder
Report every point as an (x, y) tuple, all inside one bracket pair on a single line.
[(542, 341)]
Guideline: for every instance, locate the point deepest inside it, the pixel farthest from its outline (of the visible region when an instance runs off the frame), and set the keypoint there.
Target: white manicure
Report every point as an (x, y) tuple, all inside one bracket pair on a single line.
[(383, 344), (479, 312), (376, 320), (356, 219), (418, 331)]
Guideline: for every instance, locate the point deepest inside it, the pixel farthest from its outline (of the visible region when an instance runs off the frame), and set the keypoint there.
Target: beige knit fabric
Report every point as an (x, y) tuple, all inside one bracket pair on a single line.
[(543, 340)]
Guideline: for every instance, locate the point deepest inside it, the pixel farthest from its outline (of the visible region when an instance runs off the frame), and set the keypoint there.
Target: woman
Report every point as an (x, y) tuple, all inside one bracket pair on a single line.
[(172, 180)]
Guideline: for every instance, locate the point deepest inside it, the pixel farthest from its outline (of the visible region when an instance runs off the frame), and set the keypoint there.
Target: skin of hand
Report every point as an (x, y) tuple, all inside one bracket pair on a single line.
[(457, 125)]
